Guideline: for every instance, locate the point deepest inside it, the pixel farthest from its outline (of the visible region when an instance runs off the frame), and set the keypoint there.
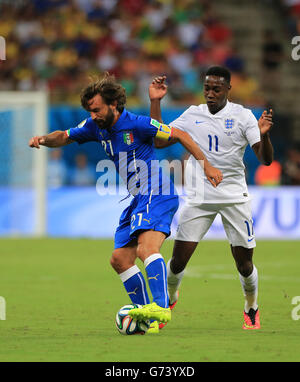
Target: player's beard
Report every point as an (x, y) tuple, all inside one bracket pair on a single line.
[(106, 124)]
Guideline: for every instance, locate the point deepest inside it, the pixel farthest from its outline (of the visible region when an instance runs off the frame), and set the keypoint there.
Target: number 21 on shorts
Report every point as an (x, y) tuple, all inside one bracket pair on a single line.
[(138, 216)]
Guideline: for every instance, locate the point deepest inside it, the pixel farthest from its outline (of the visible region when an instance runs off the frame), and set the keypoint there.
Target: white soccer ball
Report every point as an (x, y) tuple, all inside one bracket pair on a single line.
[(127, 325)]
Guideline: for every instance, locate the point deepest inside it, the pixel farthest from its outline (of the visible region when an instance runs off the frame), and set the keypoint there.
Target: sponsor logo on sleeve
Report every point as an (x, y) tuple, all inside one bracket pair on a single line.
[(81, 124), (155, 123)]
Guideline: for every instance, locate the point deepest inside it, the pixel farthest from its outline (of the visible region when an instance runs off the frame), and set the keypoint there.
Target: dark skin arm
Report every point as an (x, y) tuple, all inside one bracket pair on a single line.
[(157, 90), (161, 144), (264, 149)]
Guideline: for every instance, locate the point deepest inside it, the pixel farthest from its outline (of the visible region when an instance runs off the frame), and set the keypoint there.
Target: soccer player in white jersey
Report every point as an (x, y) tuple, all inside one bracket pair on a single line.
[(222, 130)]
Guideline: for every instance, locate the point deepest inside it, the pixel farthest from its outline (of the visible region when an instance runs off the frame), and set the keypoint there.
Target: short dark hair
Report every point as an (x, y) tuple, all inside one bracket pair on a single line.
[(108, 88), (219, 71)]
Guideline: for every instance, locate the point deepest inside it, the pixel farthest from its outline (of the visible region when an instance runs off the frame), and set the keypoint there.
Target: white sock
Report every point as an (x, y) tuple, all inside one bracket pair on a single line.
[(174, 281), (250, 289)]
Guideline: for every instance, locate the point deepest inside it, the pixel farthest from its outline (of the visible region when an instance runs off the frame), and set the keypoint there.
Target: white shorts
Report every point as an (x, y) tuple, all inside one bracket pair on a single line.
[(195, 221)]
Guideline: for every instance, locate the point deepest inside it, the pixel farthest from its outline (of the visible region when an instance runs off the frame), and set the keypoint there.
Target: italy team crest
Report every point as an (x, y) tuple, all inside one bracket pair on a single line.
[(128, 138), (229, 123)]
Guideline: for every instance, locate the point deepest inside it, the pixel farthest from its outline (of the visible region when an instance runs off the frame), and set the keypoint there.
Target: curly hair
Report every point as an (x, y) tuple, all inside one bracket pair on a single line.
[(108, 88)]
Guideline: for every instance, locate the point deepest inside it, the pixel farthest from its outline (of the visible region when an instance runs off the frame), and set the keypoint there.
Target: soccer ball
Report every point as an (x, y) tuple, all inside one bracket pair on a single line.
[(127, 325)]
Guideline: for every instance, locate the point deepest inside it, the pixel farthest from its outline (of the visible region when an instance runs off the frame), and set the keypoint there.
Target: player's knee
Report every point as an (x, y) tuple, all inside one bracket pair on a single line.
[(116, 262), (245, 268), (143, 251), (113, 262), (177, 265), (121, 261)]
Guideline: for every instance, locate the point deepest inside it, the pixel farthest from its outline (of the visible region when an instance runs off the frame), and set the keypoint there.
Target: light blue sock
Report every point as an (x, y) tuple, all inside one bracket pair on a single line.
[(157, 279), (135, 285)]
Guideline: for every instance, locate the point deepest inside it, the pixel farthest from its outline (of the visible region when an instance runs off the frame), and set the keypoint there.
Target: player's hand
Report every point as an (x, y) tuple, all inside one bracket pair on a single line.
[(265, 122), (36, 141), (214, 175), (158, 89)]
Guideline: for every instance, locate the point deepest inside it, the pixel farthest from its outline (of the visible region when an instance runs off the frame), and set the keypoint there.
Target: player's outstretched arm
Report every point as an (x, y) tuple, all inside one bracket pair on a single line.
[(56, 139), (214, 175), (264, 150), (157, 90), (162, 143)]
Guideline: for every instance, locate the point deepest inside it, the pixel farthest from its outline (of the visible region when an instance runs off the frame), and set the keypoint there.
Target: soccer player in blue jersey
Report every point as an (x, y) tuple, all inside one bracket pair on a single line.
[(128, 141)]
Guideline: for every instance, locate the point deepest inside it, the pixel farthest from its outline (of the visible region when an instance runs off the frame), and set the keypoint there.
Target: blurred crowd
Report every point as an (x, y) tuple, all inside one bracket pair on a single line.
[(81, 173), (59, 44), (291, 12)]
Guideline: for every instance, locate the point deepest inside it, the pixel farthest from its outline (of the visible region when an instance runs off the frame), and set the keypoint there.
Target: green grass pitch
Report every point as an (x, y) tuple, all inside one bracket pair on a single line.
[(62, 296)]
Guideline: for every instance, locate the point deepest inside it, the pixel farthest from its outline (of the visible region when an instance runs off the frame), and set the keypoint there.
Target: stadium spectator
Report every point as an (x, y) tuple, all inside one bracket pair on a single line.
[(57, 169), (82, 174), (290, 9), (234, 62), (272, 56), (291, 167), (268, 175), (216, 31), (245, 89)]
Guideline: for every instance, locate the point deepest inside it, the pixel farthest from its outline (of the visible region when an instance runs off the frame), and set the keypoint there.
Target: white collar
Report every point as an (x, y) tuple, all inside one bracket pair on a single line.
[(221, 112)]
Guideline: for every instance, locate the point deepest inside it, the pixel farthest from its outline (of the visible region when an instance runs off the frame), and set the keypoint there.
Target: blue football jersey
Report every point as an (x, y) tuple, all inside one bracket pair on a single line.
[(129, 144)]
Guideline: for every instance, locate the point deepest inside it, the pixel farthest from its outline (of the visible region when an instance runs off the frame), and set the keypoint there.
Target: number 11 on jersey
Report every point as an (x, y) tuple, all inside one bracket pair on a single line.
[(213, 142)]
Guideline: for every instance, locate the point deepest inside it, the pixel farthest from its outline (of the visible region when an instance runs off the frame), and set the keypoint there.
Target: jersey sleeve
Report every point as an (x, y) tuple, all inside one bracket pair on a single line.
[(252, 131), (181, 122), (150, 128), (84, 132)]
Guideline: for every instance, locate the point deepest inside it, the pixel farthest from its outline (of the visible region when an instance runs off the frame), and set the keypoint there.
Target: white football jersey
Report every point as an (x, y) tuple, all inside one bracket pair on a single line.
[(223, 138)]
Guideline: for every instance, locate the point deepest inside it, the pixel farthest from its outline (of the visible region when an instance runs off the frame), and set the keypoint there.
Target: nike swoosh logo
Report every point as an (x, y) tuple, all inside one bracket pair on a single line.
[(250, 239), (199, 122)]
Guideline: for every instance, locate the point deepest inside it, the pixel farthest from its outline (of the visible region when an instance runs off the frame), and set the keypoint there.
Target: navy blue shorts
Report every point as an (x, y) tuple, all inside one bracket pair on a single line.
[(146, 213)]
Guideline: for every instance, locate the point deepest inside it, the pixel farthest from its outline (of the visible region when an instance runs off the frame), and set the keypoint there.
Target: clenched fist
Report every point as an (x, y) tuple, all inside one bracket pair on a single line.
[(36, 141)]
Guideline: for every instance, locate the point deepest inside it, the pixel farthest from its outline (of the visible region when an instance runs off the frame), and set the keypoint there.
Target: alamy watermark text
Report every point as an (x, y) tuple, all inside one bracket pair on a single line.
[(2, 49), (2, 308), (296, 50)]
